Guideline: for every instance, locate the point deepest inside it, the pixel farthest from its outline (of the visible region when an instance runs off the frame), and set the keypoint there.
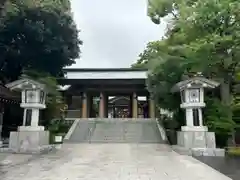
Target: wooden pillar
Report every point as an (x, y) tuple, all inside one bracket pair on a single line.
[(151, 108), (130, 106), (106, 106), (89, 105), (135, 106), (1, 122), (102, 105), (84, 105)]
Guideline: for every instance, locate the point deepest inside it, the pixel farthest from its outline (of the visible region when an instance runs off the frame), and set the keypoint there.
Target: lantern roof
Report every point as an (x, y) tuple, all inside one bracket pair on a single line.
[(194, 83), (25, 83)]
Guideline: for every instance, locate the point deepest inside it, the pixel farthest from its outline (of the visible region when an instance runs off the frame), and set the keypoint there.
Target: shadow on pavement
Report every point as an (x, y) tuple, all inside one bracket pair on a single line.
[(230, 166)]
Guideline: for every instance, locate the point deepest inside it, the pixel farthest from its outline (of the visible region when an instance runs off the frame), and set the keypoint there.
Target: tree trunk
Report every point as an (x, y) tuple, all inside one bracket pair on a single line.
[(226, 99)]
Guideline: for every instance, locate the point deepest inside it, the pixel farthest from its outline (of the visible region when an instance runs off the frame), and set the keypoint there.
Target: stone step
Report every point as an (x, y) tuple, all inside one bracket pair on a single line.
[(116, 131)]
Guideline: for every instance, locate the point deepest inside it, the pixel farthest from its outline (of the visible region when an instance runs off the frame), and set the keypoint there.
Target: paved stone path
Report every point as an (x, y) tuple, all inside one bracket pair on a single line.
[(112, 162)]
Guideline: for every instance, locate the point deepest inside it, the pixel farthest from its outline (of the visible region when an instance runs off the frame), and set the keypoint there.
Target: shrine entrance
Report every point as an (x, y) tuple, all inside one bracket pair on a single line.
[(107, 93), (119, 107)]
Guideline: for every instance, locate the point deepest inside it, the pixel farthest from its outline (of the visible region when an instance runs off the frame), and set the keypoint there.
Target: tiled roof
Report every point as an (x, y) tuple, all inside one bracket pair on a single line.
[(6, 95)]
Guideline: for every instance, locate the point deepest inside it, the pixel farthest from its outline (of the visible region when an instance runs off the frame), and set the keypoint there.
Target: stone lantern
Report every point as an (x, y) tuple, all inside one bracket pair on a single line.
[(194, 135), (30, 137)]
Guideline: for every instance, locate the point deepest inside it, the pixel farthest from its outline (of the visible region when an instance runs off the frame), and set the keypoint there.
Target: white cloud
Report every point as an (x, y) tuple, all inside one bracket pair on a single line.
[(114, 32)]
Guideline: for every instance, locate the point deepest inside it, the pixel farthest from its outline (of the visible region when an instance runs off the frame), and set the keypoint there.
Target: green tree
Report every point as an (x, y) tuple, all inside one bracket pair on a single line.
[(14, 5), (203, 35), (33, 38)]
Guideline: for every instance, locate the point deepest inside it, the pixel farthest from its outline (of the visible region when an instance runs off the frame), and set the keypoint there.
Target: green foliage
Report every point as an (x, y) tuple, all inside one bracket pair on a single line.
[(151, 53), (13, 6), (216, 116), (33, 38), (203, 35), (205, 29), (233, 151), (236, 110), (58, 127), (158, 9)]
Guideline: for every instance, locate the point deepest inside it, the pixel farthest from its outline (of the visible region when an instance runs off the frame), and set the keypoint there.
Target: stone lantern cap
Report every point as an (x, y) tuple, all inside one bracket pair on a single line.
[(195, 82), (25, 83)]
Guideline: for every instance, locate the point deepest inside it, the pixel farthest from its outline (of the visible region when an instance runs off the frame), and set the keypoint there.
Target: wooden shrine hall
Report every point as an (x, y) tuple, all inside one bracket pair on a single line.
[(88, 91)]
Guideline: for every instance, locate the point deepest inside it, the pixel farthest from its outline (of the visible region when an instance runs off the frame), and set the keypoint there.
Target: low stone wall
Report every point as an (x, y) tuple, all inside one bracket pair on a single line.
[(199, 151), (43, 150)]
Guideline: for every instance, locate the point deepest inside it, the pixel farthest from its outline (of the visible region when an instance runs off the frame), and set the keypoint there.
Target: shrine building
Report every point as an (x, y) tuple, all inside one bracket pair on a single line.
[(107, 93)]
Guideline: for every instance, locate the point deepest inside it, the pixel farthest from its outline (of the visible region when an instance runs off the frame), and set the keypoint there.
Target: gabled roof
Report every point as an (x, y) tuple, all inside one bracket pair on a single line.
[(25, 83), (105, 73), (116, 98), (201, 81), (6, 95)]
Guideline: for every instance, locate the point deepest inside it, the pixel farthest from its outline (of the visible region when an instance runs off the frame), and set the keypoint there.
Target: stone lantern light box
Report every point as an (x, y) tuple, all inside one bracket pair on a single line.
[(33, 95)]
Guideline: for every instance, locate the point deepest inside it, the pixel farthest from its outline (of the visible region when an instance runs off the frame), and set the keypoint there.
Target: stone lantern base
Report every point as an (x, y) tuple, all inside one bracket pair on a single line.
[(29, 139), (198, 141)]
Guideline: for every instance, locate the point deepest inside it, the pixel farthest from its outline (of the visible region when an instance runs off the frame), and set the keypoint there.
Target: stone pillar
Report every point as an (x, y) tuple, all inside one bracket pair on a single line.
[(151, 108), (35, 117), (84, 105), (24, 117), (200, 117), (102, 104), (135, 106), (189, 117)]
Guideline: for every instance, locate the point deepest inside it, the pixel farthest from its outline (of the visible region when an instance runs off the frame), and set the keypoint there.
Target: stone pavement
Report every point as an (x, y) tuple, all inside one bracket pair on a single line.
[(112, 162), (8, 159)]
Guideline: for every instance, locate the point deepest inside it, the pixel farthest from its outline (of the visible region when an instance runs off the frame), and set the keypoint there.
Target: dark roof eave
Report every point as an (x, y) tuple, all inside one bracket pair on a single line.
[(102, 69)]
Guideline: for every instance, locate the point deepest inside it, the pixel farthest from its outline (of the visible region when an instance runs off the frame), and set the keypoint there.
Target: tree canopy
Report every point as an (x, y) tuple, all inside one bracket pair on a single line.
[(39, 39), (203, 35), (14, 5)]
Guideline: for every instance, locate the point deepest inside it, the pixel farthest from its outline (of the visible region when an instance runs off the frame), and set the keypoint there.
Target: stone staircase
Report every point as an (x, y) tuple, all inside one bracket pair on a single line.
[(115, 131)]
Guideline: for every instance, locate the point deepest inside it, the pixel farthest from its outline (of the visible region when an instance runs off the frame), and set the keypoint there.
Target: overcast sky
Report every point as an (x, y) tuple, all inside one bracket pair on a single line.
[(114, 32)]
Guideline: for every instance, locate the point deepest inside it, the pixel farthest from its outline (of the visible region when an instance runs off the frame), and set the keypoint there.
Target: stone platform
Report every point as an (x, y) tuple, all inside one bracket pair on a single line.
[(199, 151), (29, 140), (197, 141)]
